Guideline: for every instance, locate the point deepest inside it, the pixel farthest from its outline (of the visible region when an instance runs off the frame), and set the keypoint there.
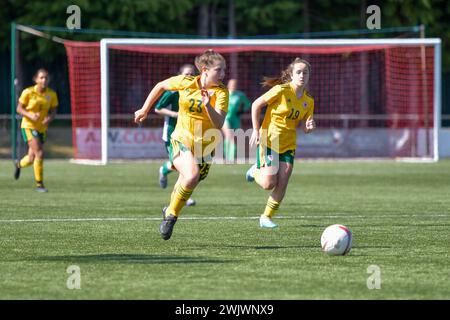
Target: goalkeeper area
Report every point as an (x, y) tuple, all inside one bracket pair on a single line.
[(104, 220), (374, 98)]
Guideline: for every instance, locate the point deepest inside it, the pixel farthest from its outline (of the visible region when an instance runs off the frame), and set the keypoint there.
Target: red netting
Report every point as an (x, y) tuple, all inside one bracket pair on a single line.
[(354, 87), (84, 76), (410, 85)]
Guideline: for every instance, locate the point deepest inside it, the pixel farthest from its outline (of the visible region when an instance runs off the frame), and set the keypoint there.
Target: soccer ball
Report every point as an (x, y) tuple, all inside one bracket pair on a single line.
[(336, 240)]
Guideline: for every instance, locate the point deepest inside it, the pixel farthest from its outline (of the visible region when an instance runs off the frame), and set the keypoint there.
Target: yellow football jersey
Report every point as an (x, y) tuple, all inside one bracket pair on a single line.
[(284, 112), (36, 102), (193, 121)]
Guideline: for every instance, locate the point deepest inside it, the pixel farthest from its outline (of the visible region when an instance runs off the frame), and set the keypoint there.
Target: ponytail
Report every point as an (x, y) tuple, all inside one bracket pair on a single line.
[(285, 75)]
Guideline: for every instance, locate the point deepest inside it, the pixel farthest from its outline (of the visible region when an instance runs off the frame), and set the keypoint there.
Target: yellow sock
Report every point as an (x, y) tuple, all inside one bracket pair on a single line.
[(173, 191), (178, 201), (271, 207), (38, 170), (25, 162)]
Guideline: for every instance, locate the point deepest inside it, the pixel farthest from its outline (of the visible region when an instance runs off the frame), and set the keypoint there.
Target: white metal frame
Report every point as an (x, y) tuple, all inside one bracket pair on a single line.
[(104, 43)]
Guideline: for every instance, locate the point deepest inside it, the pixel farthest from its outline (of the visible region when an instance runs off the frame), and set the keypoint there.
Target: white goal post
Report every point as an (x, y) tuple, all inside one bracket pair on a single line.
[(295, 44)]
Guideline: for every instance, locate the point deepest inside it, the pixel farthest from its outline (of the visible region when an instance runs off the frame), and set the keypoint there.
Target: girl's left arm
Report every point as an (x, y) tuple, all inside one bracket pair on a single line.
[(309, 125)]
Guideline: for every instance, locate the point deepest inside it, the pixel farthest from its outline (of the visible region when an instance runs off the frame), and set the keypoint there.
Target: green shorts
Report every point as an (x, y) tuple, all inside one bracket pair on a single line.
[(233, 123), (29, 134), (266, 157), (167, 145), (174, 149)]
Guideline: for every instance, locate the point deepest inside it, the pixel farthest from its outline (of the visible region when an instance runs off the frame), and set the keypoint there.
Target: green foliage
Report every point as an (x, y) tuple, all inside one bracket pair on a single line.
[(253, 17), (434, 14), (268, 17)]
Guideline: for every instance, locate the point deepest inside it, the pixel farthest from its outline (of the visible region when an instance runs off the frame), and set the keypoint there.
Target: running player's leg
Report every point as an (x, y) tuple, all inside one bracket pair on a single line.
[(267, 178), (277, 195), (28, 159), (265, 171), (171, 153), (284, 174), (165, 169), (228, 142), (189, 176), (38, 163)]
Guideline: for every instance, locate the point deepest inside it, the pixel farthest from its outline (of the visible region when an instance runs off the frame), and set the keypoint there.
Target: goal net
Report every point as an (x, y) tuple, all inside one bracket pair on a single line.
[(374, 98)]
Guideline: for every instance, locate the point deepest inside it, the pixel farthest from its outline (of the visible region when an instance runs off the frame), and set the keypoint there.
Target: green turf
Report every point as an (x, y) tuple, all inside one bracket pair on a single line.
[(398, 212)]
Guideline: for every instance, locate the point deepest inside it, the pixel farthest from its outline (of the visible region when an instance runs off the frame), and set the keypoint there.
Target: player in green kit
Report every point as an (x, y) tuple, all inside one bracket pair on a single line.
[(168, 107), (237, 105)]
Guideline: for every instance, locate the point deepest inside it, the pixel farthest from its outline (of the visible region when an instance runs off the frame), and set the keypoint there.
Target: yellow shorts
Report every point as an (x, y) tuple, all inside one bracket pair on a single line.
[(204, 163), (29, 134)]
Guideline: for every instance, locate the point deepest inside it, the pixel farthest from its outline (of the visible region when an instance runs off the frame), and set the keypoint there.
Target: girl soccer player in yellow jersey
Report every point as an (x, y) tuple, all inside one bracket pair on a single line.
[(287, 103), (203, 105), (37, 105), (167, 106)]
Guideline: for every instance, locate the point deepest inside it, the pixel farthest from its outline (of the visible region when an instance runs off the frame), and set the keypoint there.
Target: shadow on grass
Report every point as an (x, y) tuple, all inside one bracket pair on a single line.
[(252, 247), (275, 247), (132, 258)]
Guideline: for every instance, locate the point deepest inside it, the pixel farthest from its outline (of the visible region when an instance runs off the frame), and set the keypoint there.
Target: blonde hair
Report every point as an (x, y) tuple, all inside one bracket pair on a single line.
[(207, 58), (286, 74)]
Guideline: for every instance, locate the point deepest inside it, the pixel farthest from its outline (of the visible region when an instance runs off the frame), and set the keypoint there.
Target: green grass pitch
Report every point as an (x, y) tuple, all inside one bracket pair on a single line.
[(105, 220)]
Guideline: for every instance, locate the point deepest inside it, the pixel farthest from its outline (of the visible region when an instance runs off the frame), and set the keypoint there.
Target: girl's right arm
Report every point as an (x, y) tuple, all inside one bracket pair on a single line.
[(141, 114), (22, 111), (257, 106)]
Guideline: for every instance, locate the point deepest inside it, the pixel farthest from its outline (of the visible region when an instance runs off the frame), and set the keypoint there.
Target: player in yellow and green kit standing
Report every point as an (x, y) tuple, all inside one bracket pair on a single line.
[(37, 105)]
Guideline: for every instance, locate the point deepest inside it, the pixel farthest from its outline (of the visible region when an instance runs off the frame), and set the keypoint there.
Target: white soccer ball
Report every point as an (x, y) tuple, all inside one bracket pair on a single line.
[(336, 240)]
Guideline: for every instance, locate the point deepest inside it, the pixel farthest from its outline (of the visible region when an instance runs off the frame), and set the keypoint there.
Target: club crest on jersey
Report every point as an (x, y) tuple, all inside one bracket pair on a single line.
[(48, 98), (305, 104)]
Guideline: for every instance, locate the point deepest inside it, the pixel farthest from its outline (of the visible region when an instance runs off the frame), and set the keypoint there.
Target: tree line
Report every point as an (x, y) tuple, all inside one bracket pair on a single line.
[(228, 18)]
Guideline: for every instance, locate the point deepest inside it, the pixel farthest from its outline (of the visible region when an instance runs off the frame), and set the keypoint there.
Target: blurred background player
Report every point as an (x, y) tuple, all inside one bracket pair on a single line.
[(238, 104), (203, 105), (287, 103), (37, 104), (168, 107)]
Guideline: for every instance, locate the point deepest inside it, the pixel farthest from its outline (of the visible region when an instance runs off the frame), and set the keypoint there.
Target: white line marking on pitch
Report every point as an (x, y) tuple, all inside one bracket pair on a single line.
[(216, 218)]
